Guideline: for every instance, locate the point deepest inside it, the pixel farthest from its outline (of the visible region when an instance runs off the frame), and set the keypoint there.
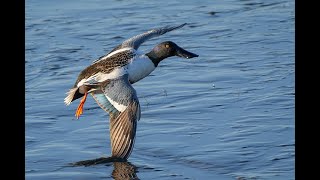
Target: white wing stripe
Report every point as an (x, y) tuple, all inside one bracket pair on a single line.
[(118, 106), (113, 53)]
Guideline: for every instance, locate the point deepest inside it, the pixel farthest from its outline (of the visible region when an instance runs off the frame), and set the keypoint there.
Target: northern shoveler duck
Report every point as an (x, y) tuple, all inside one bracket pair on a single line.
[(109, 79)]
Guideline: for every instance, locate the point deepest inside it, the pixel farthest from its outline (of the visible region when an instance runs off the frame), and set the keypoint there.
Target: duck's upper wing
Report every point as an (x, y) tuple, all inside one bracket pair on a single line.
[(135, 41), (119, 98)]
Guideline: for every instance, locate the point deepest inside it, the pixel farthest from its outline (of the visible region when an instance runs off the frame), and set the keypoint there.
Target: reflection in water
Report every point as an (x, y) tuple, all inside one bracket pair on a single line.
[(122, 170)]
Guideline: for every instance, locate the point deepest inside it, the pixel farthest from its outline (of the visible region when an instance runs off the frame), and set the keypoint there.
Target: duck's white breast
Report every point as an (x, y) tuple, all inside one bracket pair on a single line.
[(140, 67)]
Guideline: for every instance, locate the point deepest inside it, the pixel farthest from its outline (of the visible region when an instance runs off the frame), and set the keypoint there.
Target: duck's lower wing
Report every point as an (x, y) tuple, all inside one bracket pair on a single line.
[(123, 131), (119, 99)]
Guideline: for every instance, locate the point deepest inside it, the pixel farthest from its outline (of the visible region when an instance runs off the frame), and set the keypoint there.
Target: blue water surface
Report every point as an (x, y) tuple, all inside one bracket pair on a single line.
[(228, 114)]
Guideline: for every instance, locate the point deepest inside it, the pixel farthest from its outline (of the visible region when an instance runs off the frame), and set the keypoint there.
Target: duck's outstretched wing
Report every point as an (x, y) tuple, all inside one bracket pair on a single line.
[(119, 98), (135, 41)]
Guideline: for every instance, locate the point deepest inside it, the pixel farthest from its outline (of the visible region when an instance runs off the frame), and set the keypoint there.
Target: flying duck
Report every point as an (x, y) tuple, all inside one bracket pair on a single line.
[(109, 78)]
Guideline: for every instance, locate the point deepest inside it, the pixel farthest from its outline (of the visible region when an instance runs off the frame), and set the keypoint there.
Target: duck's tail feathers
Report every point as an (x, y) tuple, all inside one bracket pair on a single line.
[(70, 95)]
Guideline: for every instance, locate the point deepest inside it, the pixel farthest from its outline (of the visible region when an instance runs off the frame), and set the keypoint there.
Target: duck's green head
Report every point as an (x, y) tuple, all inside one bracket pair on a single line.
[(168, 49)]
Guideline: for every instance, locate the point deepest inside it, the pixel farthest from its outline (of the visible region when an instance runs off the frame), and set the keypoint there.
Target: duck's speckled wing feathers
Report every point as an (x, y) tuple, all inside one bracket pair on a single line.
[(107, 64)]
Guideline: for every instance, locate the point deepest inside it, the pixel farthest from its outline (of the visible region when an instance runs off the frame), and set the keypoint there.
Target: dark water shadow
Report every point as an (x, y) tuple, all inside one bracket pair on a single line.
[(122, 169), (92, 162)]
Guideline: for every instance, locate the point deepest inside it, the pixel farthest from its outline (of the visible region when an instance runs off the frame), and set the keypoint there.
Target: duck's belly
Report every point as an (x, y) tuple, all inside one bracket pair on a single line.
[(140, 68)]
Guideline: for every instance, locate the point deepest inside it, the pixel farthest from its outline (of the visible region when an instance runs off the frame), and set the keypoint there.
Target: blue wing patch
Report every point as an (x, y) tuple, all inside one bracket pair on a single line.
[(103, 102)]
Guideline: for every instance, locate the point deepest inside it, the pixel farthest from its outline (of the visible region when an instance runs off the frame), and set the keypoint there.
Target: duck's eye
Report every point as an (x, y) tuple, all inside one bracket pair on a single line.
[(167, 45)]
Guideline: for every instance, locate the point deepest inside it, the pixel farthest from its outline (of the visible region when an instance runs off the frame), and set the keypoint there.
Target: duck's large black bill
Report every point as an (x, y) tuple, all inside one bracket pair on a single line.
[(185, 54)]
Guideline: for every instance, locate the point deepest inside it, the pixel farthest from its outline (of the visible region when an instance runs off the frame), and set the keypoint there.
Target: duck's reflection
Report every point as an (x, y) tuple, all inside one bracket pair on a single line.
[(122, 169)]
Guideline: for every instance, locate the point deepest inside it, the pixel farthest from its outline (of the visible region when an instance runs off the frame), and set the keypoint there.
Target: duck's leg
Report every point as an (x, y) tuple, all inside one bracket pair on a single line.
[(80, 107)]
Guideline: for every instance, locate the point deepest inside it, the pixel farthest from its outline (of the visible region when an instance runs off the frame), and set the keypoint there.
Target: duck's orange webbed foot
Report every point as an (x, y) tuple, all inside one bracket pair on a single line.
[(80, 107)]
